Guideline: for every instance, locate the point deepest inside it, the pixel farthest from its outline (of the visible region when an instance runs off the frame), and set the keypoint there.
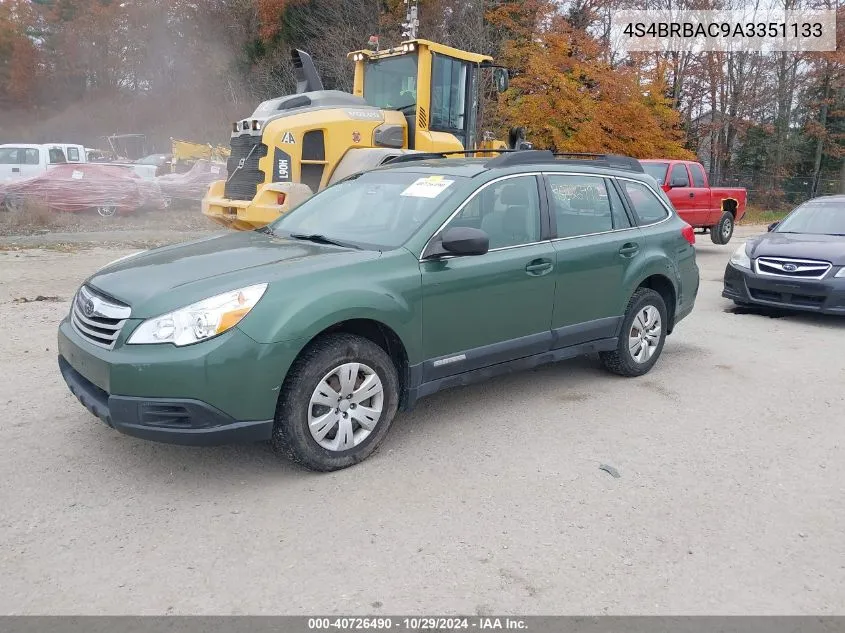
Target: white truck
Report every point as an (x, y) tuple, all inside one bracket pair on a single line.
[(25, 160)]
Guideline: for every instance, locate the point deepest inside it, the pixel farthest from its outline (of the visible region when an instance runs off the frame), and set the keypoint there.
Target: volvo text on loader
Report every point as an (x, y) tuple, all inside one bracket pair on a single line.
[(420, 96)]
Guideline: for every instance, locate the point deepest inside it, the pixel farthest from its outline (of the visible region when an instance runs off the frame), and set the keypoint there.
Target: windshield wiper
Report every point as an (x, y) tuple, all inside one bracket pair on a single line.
[(321, 239)]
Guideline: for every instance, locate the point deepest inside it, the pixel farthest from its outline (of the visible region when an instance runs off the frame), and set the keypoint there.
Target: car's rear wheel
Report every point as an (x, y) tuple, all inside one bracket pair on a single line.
[(107, 210), (337, 403), (723, 230), (13, 203), (642, 337)]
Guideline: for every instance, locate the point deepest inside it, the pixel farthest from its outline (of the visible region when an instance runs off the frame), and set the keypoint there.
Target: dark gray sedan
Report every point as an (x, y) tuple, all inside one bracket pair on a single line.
[(799, 264)]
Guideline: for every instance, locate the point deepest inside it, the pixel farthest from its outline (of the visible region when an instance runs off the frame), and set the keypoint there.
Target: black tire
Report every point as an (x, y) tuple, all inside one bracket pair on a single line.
[(621, 360), (291, 436), (723, 230), (13, 203)]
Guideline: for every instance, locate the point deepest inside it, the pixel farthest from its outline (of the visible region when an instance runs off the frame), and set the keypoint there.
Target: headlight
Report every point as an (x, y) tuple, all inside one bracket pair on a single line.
[(841, 272), (199, 321), (740, 258)]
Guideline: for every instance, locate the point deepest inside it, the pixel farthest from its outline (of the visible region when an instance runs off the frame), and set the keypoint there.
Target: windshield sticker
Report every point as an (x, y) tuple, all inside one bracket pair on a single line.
[(76, 175), (429, 187)]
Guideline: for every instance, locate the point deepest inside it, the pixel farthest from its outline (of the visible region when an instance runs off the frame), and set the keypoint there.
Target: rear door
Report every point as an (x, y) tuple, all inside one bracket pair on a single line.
[(596, 241), (485, 309), (683, 196), (33, 162), (701, 194)]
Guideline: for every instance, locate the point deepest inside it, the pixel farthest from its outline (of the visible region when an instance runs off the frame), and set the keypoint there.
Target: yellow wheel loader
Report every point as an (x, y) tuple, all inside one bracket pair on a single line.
[(419, 96)]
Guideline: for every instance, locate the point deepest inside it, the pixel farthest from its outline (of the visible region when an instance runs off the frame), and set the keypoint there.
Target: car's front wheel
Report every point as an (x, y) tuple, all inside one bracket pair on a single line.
[(337, 403), (642, 337)]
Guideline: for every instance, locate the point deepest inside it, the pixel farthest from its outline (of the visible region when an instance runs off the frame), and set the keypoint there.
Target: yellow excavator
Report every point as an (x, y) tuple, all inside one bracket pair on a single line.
[(419, 96)]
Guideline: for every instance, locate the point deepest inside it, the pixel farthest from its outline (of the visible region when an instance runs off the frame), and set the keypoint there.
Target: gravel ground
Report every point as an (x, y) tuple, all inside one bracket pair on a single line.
[(484, 499)]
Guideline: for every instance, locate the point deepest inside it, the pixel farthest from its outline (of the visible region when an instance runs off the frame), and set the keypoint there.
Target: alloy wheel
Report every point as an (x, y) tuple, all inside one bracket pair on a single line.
[(644, 336)]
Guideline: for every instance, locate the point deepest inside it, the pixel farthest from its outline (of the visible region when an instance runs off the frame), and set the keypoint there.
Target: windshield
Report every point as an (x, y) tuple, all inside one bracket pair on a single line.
[(819, 217), (378, 210), (656, 171), (391, 83)]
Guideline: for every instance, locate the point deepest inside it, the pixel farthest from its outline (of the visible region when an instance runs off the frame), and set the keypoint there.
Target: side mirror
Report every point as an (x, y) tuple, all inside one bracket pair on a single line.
[(678, 182), (773, 226), (463, 240), (501, 79)]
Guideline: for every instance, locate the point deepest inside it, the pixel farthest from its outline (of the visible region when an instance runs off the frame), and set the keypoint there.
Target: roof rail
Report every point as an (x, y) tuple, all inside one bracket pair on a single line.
[(406, 158), (509, 157), (527, 157)]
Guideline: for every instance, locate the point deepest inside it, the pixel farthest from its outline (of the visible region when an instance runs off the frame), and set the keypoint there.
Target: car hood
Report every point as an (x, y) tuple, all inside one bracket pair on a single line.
[(163, 279), (829, 248)]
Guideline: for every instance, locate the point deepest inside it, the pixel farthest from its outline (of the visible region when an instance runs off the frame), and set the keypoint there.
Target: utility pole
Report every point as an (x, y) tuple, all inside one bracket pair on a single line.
[(412, 22)]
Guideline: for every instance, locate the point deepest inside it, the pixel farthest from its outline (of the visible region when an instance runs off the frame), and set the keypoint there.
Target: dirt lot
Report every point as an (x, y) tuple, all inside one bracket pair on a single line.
[(484, 499)]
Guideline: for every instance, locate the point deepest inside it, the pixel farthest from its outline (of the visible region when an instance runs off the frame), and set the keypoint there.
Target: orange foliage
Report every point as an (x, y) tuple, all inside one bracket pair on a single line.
[(570, 99)]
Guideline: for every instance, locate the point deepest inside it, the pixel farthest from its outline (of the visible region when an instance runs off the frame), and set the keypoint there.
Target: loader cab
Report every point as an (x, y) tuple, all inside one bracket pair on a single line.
[(434, 86)]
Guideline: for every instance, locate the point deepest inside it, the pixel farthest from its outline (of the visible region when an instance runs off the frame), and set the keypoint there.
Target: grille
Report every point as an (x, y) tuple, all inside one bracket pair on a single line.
[(244, 174), (793, 268), (96, 318)]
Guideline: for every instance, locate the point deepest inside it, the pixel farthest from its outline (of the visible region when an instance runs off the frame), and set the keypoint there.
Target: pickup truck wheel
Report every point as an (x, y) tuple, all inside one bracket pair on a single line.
[(723, 230), (642, 337), (337, 403)]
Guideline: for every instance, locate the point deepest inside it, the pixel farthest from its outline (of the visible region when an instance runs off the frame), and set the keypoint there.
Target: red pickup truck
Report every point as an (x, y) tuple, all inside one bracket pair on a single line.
[(715, 209)]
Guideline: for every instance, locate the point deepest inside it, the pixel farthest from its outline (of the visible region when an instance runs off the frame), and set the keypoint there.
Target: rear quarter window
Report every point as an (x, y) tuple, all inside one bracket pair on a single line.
[(647, 206), (72, 154)]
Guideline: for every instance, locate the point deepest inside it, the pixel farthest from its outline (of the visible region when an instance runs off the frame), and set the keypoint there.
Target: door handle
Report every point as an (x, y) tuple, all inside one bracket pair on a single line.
[(629, 249), (16, 169), (692, 194), (539, 267)]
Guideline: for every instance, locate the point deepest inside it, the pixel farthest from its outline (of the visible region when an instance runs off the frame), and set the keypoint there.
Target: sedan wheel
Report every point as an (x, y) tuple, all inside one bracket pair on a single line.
[(13, 203), (107, 210), (345, 407)]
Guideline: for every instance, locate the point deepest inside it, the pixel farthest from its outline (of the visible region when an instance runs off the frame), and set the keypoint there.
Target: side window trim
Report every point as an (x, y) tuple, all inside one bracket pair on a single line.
[(627, 199), (610, 182), (470, 198)]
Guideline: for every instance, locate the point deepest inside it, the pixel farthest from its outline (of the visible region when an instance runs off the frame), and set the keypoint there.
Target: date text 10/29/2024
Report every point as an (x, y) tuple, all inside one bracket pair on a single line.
[(420, 623)]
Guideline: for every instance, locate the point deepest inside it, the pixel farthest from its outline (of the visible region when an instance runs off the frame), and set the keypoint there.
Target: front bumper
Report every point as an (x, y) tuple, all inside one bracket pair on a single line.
[(825, 296), (221, 391), (172, 420)]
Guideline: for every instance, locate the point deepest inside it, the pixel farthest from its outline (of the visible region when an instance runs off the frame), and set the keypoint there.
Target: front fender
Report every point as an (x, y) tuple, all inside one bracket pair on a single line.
[(387, 290)]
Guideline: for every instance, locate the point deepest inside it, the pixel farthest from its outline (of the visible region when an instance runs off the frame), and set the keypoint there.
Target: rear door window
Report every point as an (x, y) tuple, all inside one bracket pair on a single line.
[(647, 206), (580, 204), (697, 172), (678, 176), (30, 156)]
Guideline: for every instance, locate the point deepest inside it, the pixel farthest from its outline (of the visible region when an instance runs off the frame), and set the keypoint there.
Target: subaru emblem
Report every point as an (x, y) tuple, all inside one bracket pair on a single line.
[(88, 308), (790, 268)]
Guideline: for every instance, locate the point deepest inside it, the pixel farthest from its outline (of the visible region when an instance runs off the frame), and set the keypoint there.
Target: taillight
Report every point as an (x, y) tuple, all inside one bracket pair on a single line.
[(280, 199), (688, 233)]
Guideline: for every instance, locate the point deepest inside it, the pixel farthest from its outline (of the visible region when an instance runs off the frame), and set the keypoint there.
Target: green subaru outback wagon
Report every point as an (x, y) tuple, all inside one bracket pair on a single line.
[(386, 287)]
